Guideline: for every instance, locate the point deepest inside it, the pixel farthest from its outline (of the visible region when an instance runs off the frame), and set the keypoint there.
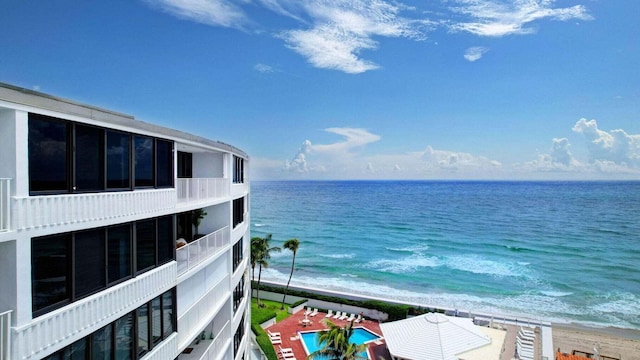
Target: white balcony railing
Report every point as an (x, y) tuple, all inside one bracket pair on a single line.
[(218, 343), (5, 210), (201, 313), (5, 335), (201, 189), (40, 211), (207, 246), (85, 316)]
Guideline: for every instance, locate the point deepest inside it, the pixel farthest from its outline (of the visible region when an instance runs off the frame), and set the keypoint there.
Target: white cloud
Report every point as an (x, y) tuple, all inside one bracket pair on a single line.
[(342, 29), (336, 34), (328, 47), (452, 160), (475, 53), (343, 159), (559, 159), (505, 17), (330, 153), (211, 12), (615, 146), (263, 68)]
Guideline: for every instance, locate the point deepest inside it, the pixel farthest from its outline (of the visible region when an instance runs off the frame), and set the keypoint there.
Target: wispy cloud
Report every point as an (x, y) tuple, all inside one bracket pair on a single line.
[(505, 17), (211, 12), (337, 34), (475, 53), (263, 68), (342, 29)]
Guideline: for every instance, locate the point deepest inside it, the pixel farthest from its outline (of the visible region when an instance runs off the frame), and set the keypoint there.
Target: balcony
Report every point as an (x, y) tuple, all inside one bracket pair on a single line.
[(195, 318), (5, 210), (55, 210), (87, 315), (202, 249), (209, 349), (198, 190), (5, 335)]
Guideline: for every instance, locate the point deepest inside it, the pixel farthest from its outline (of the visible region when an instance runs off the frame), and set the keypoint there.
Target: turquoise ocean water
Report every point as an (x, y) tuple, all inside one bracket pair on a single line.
[(554, 251)]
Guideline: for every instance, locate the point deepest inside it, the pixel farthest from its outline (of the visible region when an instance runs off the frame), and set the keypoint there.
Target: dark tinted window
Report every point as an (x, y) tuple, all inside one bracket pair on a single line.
[(119, 259), (118, 154), (48, 154), (166, 240), (124, 337), (145, 244), (101, 343), (89, 158), (143, 329), (89, 262), (50, 267), (167, 314), (185, 169), (143, 161), (164, 164)]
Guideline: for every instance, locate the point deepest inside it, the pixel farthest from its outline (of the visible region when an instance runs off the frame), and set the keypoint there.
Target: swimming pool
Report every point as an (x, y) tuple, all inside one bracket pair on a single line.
[(360, 336)]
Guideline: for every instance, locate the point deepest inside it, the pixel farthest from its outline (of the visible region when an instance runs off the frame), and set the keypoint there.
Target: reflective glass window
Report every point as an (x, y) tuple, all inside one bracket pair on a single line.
[(89, 158), (50, 267), (118, 165), (119, 247), (143, 161), (48, 154)]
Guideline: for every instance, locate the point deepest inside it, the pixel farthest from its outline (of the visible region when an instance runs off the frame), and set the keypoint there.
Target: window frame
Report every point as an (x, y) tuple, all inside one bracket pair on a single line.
[(72, 152)]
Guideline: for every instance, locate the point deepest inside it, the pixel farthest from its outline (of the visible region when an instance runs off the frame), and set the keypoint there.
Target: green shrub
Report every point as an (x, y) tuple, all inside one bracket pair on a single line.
[(395, 312), (263, 341), (301, 301)]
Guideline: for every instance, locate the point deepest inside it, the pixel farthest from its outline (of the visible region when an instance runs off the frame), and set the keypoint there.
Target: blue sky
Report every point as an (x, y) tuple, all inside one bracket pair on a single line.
[(335, 89)]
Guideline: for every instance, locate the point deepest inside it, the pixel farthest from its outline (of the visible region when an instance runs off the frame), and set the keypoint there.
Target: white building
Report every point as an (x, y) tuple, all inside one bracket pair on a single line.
[(92, 204)]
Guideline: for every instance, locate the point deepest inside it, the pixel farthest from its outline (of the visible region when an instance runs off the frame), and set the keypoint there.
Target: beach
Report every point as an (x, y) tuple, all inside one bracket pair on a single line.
[(613, 342)]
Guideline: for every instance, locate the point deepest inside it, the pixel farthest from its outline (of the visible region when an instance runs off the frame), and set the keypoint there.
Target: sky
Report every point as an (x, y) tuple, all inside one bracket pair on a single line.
[(337, 89)]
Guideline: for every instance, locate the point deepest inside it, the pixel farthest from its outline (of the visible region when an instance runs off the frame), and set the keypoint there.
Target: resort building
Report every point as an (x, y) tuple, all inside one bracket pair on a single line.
[(119, 239)]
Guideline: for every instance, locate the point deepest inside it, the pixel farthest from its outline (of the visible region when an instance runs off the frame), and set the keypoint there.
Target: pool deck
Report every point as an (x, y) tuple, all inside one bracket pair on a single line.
[(289, 328)]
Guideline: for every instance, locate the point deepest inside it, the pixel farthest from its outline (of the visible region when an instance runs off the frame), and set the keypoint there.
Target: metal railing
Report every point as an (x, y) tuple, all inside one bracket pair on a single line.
[(200, 189), (5, 205), (5, 335), (196, 252)]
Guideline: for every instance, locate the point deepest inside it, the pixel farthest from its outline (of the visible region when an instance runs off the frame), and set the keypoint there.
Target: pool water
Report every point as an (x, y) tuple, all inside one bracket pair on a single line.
[(359, 336)]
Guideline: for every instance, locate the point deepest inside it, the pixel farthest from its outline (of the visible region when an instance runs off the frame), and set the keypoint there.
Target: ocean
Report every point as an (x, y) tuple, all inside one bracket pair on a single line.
[(553, 251)]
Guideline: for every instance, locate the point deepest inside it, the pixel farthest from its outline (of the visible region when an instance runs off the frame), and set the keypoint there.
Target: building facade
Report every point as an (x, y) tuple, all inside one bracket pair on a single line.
[(119, 239)]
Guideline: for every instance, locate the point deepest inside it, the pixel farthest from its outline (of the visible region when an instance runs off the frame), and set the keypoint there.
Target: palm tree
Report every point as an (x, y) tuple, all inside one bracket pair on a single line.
[(335, 344), (255, 249), (291, 244), (261, 252)]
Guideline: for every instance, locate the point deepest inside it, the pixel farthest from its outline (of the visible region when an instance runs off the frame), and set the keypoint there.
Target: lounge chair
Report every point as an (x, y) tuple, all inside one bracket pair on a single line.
[(351, 318), (329, 314), (337, 315), (308, 311), (271, 334), (358, 319), (314, 312), (275, 340), (344, 316), (285, 350)]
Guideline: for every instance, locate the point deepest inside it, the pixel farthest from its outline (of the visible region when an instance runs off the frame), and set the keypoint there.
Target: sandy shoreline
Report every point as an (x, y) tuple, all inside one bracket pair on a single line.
[(621, 343), (614, 342)]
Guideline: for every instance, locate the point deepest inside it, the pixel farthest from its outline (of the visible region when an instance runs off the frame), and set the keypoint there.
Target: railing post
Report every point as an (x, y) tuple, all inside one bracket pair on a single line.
[(5, 335), (5, 205)]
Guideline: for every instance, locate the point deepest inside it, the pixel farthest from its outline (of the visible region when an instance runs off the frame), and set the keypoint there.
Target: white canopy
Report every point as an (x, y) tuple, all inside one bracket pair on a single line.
[(432, 336)]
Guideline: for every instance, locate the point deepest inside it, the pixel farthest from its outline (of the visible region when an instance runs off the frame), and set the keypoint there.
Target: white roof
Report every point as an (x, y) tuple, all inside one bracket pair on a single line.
[(432, 336)]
